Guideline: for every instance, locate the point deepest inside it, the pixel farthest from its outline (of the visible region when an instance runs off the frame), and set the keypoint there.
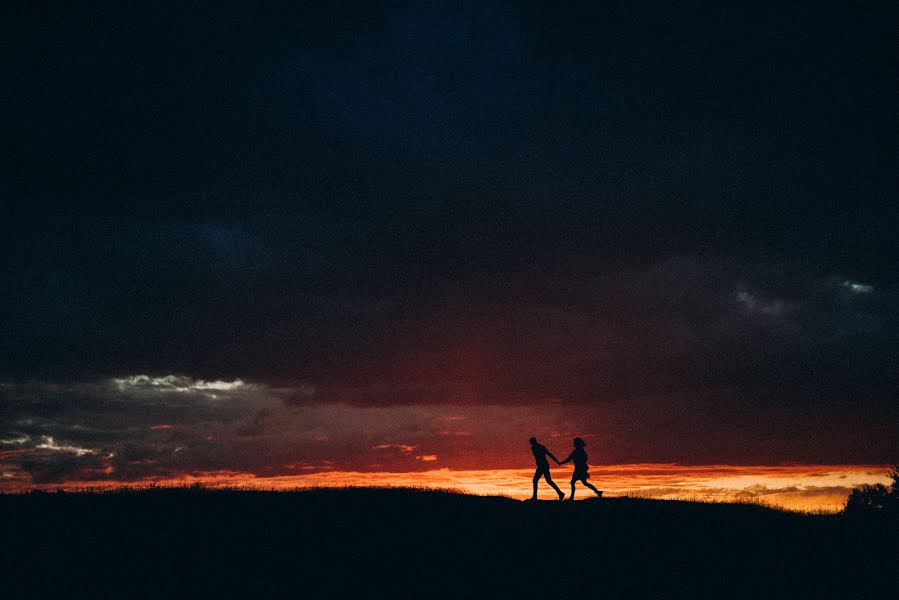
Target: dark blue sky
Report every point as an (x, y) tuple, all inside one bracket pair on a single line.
[(484, 203)]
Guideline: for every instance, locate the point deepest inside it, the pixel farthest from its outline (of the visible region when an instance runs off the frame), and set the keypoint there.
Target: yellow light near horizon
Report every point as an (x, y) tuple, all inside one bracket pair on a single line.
[(821, 488)]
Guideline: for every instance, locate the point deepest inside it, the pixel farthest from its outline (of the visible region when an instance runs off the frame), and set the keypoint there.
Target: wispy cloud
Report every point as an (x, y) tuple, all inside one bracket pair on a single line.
[(48, 443), (858, 288), (400, 447), (172, 383)]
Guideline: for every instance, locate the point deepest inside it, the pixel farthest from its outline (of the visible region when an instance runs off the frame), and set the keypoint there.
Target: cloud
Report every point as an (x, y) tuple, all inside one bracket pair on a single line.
[(49, 444), (95, 431), (495, 220), (19, 441), (858, 288), (625, 204), (400, 447), (300, 394), (254, 425), (172, 383), (753, 304)]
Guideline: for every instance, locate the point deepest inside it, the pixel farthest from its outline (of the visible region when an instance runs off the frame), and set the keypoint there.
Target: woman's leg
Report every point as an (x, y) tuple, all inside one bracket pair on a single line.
[(571, 497), (596, 491)]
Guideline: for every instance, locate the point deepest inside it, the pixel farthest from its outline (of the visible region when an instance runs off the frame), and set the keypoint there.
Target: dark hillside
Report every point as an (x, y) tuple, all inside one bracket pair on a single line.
[(375, 543)]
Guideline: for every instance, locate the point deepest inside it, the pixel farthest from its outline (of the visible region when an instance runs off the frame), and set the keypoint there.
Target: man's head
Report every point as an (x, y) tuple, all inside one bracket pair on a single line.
[(533, 441)]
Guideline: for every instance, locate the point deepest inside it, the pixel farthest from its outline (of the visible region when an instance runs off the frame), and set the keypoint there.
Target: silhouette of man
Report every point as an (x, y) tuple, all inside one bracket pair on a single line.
[(540, 454)]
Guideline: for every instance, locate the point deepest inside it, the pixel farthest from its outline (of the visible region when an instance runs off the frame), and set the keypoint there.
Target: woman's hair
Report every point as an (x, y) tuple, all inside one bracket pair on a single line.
[(579, 443)]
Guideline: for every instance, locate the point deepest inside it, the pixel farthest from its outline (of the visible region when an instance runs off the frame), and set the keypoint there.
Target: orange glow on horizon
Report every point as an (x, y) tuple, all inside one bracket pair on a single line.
[(821, 488)]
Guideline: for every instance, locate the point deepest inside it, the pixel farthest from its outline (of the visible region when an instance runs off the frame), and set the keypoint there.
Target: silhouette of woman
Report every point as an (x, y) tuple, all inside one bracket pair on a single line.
[(579, 458), (540, 454)]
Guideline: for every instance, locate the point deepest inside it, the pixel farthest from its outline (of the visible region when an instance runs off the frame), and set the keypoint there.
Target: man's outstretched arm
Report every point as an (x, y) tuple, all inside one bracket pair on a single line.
[(567, 459), (550, 454)]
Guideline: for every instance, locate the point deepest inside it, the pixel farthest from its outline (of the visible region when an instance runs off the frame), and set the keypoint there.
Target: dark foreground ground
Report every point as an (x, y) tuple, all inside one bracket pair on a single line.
[(401, 543)]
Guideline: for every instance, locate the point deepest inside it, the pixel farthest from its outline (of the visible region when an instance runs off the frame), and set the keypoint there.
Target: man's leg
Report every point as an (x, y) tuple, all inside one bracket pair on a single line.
[(550, 481)]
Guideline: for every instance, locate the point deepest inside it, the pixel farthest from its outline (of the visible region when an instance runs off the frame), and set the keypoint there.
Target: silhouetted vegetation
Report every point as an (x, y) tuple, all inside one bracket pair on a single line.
[(375, 543), (876, 498)]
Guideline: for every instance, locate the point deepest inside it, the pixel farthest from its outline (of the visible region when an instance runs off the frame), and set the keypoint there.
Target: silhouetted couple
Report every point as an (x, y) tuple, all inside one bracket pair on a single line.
[(578, 457)]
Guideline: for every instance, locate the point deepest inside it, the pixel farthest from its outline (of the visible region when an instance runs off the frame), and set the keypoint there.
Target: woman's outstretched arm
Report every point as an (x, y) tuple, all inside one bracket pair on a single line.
[(570, 456)]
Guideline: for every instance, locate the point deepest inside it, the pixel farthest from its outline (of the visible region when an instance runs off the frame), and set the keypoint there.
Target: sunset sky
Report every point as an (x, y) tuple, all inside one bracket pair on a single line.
[(363, 239)]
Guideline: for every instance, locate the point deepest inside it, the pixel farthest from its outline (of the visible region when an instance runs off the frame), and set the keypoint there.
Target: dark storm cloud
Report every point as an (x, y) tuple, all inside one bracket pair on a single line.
[(144, 428), (139, 426), (502, 203)]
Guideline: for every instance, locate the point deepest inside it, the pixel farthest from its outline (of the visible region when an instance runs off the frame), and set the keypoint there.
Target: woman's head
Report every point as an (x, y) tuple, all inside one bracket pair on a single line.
[(579, 443)]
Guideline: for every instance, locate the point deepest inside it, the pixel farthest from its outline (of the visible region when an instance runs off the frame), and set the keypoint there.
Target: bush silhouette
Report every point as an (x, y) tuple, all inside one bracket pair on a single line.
[(877, 498)]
